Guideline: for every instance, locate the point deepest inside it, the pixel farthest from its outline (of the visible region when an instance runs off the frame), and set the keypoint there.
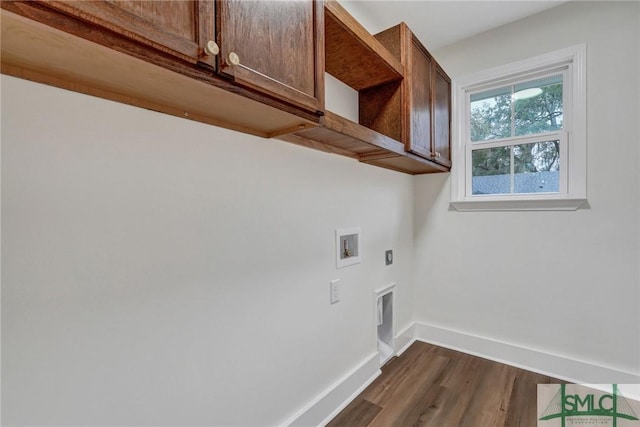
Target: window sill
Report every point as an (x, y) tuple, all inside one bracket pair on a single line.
[(518, 205)]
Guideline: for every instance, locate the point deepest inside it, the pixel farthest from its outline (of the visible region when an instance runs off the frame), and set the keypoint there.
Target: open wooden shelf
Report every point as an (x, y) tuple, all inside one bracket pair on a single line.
[(361, 61), (353, 55), (339, 135)]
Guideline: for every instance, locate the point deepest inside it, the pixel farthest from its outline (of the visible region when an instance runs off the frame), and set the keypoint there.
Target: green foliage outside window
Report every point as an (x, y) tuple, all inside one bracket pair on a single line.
[(499, 114)]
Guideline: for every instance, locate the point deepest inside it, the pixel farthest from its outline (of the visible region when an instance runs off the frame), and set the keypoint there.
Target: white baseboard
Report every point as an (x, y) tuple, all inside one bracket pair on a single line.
[(404, 339), (553, 365), (335, 398)]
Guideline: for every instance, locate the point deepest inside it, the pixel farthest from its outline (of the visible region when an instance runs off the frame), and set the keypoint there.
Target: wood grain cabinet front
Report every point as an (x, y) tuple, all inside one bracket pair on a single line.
[(276, 47), (423, 99), (272, 47), (393, 78), (184, 29), (441, 107), (255, 66), (252, 66), (418, 112)]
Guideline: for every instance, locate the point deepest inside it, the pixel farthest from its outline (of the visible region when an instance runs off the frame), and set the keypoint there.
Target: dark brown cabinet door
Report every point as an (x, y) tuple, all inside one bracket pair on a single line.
[(180, 28), (425, 106), (429, 94), (275, 47), (441, 89), (419, 95)]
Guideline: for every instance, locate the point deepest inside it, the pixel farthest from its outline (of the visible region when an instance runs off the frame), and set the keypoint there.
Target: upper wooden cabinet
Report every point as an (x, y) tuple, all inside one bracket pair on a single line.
[(418, 116), (180, 28), (274, 46), (441, 107), (167, 56), (422, 103), (396, 119), (255, 66)]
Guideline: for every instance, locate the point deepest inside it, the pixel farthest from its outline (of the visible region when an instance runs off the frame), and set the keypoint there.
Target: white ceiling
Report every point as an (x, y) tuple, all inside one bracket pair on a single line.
[(439, 23)]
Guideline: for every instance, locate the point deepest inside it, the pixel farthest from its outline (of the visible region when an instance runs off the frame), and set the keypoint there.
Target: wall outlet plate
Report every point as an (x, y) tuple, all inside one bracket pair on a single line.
[(334, 291), (388, 257)]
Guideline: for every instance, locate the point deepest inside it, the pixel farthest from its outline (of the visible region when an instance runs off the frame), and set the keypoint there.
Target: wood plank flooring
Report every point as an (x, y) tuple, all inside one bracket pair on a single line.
[(431, 386)]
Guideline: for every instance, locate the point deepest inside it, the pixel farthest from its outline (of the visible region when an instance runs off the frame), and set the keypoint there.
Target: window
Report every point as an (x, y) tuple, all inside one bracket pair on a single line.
[(519, 135)]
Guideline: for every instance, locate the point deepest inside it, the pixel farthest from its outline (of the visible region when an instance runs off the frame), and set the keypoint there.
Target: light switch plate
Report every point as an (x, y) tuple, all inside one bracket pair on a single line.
[(388, 257), (335, 291)]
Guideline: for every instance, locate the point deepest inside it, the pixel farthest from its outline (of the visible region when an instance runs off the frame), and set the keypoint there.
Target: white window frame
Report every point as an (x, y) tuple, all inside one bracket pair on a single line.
[(573, 156)]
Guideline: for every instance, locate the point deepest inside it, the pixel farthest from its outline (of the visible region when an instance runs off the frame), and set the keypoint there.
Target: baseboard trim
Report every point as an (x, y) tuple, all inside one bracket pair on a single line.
[(351, 398), (336, 397), (404, 339), (553, 365), (321, 410)]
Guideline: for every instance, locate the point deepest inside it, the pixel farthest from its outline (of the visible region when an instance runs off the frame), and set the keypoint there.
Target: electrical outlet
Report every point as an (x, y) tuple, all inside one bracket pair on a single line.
[(335, 291)]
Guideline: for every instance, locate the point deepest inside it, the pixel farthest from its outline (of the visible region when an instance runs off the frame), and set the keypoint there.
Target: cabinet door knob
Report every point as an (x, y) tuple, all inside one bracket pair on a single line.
[(211, 48), (234, 59)]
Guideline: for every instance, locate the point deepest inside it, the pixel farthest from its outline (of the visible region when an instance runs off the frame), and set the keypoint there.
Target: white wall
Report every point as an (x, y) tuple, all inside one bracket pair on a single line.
[(565, 283), (158, 271)]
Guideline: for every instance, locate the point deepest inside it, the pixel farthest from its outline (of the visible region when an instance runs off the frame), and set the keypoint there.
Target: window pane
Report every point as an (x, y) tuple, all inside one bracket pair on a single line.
[(491, 114), (538, 106), (537, 167), (491, 170)]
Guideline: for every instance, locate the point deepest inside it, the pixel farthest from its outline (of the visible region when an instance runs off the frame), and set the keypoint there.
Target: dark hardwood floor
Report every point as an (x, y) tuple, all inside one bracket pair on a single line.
[(433, 386)]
